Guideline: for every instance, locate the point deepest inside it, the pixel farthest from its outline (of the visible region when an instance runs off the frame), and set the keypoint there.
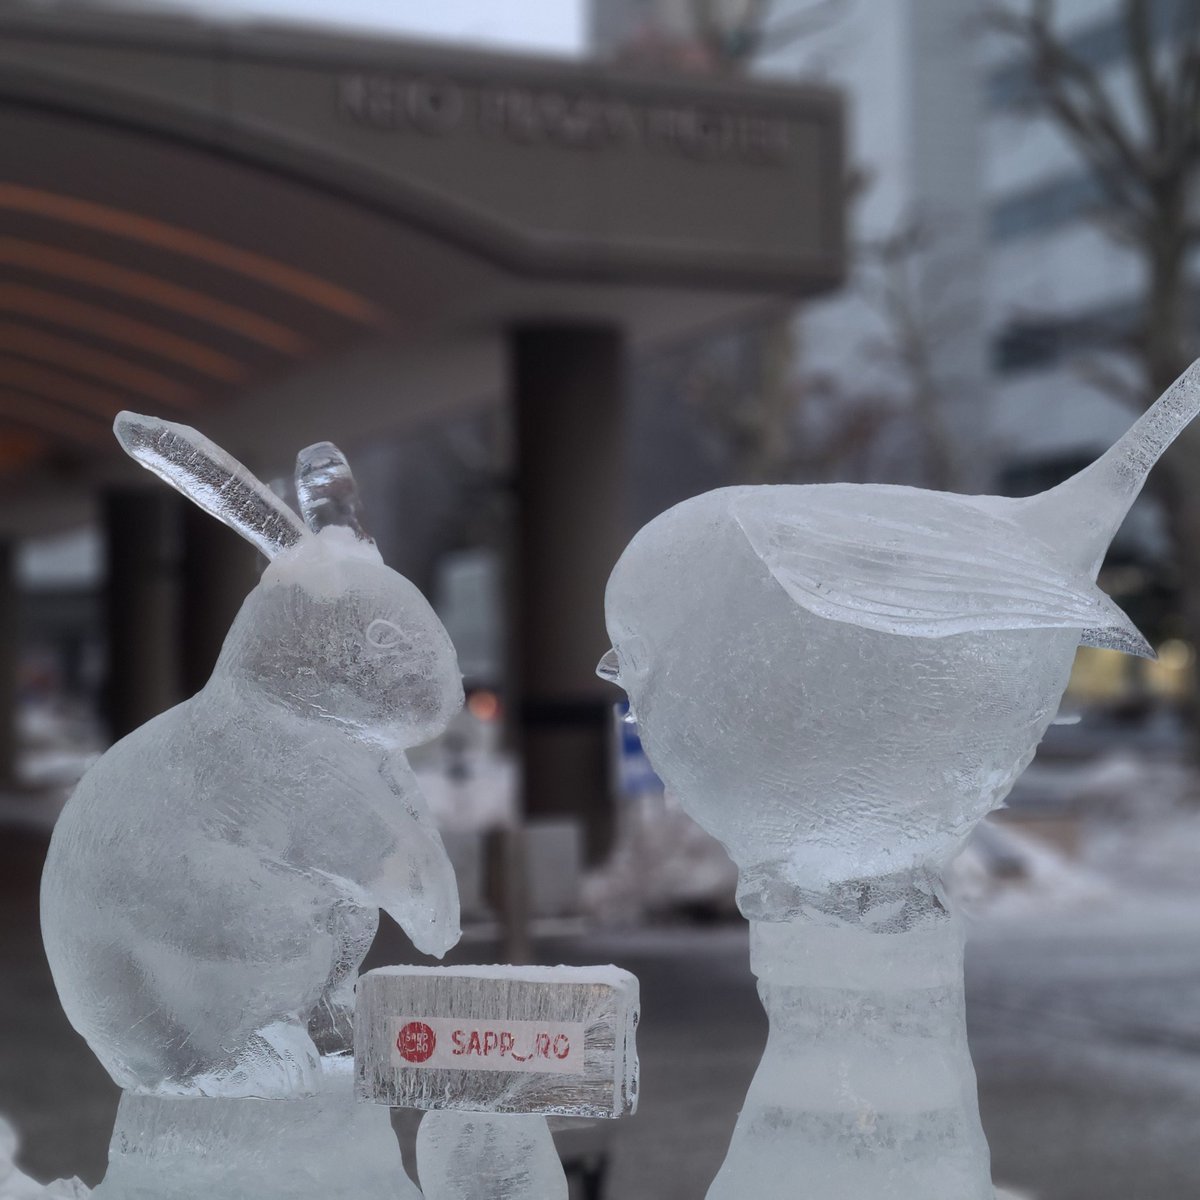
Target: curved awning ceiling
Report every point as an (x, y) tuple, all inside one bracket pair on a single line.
[(133, 273), (189, 215)]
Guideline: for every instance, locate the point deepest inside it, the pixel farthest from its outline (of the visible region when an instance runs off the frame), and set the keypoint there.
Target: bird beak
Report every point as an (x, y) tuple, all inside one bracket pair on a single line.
[(609, 669)]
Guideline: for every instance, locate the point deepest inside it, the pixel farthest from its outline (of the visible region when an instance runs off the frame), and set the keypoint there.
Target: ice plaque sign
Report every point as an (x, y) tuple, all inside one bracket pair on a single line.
[(551, 1040)]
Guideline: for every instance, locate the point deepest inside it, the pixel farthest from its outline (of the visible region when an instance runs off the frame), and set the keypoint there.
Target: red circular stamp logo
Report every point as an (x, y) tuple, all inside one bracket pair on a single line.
[(416, 1042)]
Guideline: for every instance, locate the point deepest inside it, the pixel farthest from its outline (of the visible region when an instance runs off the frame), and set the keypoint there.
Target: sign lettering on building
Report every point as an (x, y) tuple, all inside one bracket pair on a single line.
[(584, 120)]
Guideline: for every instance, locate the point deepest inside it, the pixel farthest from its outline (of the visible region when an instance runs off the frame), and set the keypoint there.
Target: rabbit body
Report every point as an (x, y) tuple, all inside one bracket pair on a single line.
[(215, 880)]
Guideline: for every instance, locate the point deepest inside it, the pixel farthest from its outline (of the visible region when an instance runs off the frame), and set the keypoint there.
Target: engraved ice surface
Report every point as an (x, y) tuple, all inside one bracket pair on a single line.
[(216, 879), (838, 682)]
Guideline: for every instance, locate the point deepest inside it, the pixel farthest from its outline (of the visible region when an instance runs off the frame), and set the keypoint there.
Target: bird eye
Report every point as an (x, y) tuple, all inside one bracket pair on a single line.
[(384, 635)]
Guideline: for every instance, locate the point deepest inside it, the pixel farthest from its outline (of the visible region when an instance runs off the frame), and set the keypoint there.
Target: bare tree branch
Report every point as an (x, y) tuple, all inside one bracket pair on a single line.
[(1146, 161), (1073, 93), (732, 45), (1141, 53)]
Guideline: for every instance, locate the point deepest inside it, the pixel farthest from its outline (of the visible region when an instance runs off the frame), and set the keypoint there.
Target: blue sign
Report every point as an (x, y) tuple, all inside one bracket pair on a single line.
[(634, 772)]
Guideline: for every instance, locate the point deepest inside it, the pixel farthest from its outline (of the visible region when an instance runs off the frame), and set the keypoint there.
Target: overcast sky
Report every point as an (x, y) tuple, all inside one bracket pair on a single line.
[(549, 26)]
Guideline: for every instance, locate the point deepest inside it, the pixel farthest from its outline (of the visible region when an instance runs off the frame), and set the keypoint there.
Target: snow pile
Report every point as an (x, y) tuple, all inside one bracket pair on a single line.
[(1121, 785), (470, 783), (1003, 872), (16, 1185), (663, 862), (1157, 855)]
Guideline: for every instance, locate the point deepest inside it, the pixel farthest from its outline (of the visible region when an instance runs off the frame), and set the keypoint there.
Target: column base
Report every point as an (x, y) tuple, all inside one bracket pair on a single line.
[(325, 1147)]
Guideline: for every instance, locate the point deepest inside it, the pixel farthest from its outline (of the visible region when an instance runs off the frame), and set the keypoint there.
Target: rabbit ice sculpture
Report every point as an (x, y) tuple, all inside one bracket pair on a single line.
[(214, 882), (838, 682)]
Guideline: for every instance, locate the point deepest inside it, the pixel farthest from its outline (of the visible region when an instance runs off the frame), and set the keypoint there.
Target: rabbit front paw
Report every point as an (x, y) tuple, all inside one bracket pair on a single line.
[(278, 1062)]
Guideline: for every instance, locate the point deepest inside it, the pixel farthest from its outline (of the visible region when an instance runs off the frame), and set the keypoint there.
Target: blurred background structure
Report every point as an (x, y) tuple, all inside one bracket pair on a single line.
[(540, 286)]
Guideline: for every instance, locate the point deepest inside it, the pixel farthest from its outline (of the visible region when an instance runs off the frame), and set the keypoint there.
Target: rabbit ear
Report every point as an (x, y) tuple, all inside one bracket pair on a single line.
[(326, 490), (211, 479)]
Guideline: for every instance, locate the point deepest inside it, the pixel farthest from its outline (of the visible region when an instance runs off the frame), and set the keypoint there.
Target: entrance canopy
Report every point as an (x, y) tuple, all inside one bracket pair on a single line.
[(284, 235)]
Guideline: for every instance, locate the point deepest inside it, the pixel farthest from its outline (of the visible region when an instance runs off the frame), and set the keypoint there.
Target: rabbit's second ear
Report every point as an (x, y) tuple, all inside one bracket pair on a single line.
[(210, 478), (326, 490)]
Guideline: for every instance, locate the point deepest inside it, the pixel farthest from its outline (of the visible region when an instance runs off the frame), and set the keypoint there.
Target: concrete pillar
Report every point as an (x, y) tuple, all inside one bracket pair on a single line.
[(217, 569), (9, 662), (567, 391), (142, 533)]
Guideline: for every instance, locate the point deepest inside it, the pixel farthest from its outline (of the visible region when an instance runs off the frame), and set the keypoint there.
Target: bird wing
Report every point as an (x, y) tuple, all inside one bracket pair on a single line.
[(922, 564)]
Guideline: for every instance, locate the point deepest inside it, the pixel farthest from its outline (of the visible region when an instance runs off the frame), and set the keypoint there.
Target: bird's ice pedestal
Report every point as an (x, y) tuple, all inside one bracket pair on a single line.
[(866, 1087)]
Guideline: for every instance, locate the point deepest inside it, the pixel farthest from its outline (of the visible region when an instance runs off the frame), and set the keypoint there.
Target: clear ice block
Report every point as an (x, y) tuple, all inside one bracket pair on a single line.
[(550, 1040)]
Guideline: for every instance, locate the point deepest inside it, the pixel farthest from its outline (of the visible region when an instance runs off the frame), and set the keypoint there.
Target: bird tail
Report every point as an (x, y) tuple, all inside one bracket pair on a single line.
[(1090, 506)]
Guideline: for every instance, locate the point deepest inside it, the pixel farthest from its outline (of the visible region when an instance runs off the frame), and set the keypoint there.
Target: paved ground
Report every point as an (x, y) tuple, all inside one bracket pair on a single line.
[(1086, 1035)]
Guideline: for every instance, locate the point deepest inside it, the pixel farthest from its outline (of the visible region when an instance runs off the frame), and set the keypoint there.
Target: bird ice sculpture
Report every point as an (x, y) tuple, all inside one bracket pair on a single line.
[(215, 880), (838, 682)]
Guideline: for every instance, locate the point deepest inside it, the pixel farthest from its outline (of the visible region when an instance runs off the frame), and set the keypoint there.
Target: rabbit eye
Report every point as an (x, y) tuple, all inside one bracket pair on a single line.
[(383, 635)]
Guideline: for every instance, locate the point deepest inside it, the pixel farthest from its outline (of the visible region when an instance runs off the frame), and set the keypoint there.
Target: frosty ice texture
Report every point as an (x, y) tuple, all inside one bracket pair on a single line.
[(189, 1147), (488, 1156), (553, 1040), (838, 682), (215, 880)]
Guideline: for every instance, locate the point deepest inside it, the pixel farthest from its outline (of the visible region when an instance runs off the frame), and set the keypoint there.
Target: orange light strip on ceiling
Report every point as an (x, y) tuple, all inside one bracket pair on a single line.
[(186, 242), (58, 385), (51, 419), (27, 342), (90, 318), (138, 285)]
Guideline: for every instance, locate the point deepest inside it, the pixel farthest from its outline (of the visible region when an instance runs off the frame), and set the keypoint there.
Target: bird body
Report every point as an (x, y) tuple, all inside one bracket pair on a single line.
[(839, 680)]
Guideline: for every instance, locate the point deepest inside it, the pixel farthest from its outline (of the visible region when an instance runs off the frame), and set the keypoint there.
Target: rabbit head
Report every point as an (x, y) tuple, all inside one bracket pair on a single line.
[(331, 631), (335, 634)]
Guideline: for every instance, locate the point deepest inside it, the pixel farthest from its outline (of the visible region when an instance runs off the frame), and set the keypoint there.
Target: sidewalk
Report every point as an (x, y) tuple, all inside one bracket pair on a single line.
[(1085, 1030)]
